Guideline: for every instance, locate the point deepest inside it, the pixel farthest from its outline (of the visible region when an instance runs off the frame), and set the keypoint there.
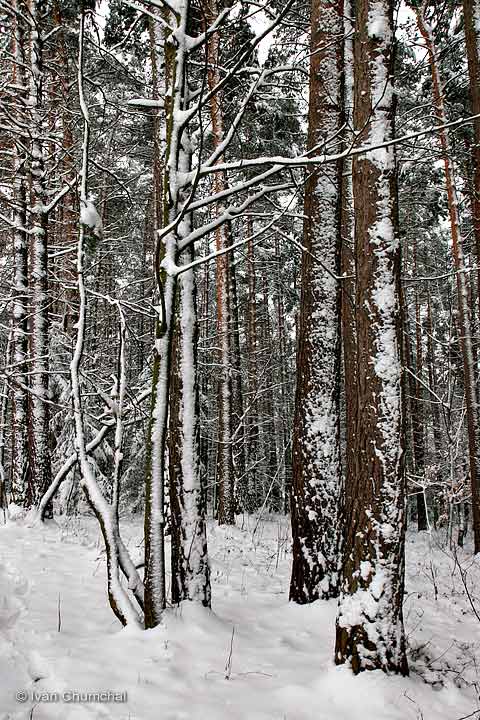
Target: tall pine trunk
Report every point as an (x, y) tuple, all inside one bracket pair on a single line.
[(370, 632), (40, 415), (316, 471), (224, 473), (471, 12)]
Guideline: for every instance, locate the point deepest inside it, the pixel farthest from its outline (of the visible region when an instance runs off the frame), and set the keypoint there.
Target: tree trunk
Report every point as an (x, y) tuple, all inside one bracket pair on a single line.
[(348, 285), (21, 479), (238, 434), (224, 473), (370, 632), (316, 472), (193, 564), (192, 578), (471, 13), (40, 415), (250, 484)]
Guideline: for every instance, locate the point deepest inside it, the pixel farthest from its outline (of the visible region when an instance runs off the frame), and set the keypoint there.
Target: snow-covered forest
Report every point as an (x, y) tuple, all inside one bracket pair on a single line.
[(239, 359)]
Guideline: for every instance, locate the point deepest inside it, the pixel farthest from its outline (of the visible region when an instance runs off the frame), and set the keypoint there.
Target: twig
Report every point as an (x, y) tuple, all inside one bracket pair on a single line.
[(228, 664)]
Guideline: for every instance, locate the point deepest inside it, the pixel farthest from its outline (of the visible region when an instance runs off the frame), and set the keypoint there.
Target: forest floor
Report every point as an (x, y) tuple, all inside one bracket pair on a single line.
[(255, 657)]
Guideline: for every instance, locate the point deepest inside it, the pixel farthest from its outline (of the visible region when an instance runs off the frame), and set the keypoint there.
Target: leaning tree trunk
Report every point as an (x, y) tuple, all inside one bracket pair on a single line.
[(370, 632), (316, 471), (464, 315), (116, 554)]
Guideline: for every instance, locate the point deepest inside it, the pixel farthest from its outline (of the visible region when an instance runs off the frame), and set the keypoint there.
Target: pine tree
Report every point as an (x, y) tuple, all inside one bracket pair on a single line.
[(370, 631), (317, 480)]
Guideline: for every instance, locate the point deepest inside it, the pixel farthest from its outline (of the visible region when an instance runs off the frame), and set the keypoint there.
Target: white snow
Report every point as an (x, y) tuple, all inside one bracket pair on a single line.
[(259, 22), (89, 216), (145, 102), (281, 664)]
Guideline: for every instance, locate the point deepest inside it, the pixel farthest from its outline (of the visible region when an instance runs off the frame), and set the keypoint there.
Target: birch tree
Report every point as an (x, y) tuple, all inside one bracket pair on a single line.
[(193, 569)]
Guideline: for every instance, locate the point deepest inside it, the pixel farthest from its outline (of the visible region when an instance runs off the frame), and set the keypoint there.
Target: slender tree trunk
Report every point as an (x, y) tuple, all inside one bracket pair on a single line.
[(434, 406), (348, 285), (415, 403), (281, 416), (251, 499), (193, 573), (238, 426), (175, 468), (417, 439), (225, 477), (370, 631), (471, 13), (317, 480), (419, 424), (3, 427)]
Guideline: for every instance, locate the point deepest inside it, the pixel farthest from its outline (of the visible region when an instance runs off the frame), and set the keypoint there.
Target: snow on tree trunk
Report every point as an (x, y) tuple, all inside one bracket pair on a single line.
[(317, 480), (155, 471), (156, 446), (464, 313), (370, 632), (192, 566), (251, 491), (3, 425), (193, 578), (39, 434), (21, 488)]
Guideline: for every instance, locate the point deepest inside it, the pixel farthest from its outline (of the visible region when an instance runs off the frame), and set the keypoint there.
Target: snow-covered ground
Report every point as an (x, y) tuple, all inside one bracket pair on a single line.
[(255, 657)]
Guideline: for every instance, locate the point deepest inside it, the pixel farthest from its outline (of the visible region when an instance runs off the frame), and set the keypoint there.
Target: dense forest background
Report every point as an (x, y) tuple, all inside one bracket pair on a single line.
[(240, 273)]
